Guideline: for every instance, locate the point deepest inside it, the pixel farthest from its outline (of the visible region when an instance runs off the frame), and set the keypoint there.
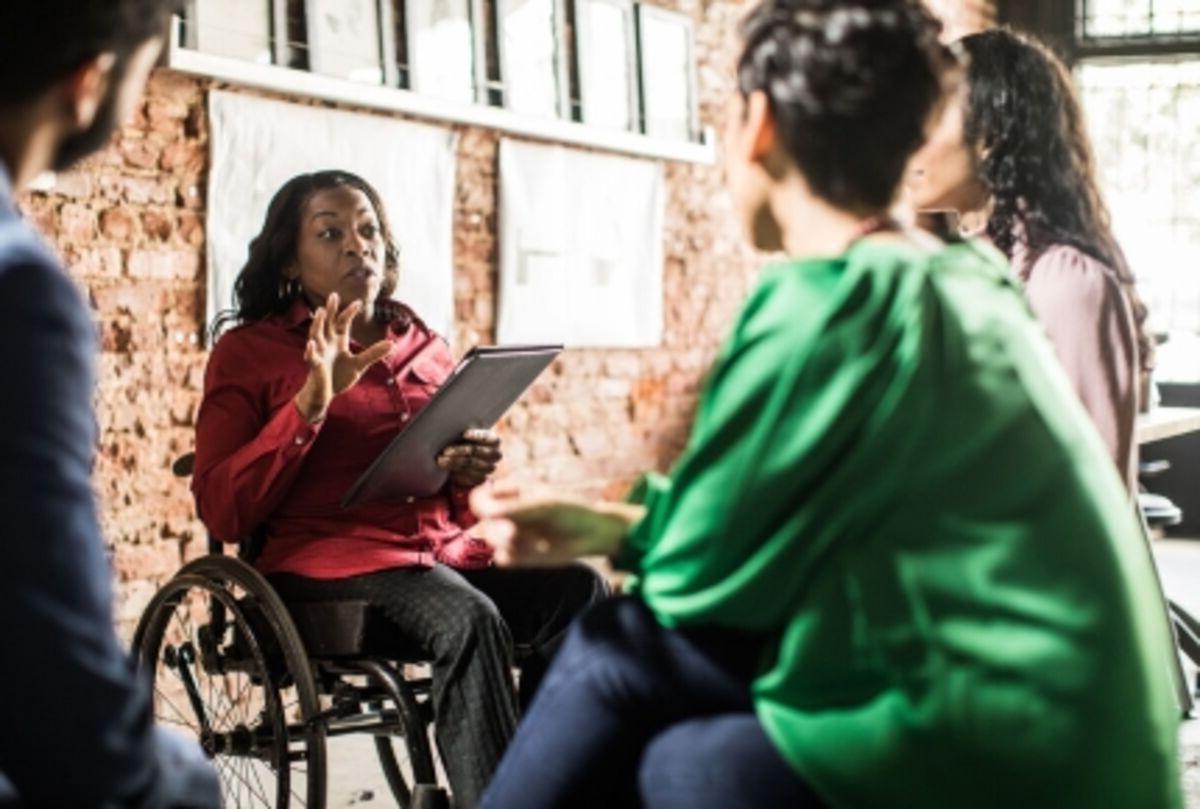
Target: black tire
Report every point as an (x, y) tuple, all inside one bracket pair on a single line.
[(219, 624)]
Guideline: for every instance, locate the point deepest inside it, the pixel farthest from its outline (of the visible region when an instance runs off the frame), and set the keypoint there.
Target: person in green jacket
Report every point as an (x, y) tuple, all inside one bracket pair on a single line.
[(894, 566)]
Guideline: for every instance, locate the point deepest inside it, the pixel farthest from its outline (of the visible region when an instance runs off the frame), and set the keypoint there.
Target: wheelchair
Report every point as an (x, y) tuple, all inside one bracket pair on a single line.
[(262, 684)]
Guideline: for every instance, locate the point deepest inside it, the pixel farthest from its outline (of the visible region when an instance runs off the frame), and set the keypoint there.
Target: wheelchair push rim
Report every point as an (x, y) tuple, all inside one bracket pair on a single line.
[(225, 671)]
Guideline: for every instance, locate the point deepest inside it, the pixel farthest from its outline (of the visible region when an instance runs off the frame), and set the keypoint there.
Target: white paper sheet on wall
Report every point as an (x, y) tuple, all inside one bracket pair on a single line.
[(258, 144), (581, 256)]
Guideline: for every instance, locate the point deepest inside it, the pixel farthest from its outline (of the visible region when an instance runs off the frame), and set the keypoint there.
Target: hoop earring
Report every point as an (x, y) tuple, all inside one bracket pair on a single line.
[(289, 289)]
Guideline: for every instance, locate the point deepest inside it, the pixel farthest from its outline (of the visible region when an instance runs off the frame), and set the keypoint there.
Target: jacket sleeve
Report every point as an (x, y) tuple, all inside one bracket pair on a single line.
[(71, 698)]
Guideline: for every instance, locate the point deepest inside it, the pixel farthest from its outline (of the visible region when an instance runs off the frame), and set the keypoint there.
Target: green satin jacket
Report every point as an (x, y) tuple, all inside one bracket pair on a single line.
[(891, 477)]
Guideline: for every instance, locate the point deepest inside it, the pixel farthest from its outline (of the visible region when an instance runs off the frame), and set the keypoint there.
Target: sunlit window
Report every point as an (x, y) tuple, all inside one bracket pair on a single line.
[(1145, 116), (1138, 18)]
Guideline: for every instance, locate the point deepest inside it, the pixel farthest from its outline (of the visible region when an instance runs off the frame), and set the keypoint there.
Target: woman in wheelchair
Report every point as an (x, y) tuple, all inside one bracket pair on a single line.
[(321, 370)]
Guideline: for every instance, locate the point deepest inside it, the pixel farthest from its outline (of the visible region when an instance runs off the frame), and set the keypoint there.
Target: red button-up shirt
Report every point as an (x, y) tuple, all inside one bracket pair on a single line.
[(260, 465)]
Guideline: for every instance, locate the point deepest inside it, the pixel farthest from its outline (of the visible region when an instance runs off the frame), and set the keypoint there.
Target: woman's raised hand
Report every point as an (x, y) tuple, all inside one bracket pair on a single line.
[(332, 367)]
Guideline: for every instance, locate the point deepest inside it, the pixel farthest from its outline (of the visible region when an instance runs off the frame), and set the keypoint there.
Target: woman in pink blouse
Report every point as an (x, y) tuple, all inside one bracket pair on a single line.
[(1011, 157)]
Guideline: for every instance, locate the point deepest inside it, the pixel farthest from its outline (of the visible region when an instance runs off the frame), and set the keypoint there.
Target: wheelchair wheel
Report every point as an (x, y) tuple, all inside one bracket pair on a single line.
[(396, 769), (229, 668)]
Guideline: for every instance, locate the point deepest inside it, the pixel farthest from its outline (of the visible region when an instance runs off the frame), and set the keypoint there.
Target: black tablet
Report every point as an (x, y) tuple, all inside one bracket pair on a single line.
[(477, 393)]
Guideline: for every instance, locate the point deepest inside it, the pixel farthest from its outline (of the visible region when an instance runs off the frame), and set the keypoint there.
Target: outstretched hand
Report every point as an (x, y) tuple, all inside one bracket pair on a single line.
[(332, 367), (549, 531)]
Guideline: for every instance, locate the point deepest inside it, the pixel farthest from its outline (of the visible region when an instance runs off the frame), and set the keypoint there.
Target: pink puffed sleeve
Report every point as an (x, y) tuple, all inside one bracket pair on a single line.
[(1088, 317)]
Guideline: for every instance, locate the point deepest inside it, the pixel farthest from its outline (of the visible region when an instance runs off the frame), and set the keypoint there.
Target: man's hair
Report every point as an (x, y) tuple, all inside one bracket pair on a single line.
[(43, 41)]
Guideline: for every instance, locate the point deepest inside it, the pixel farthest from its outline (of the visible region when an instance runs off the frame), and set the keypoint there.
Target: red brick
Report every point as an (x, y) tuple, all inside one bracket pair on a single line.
[(119, 225), (157, 225), (94, 262), (191, 193), (138, 153), (77, 223), (177, 265), (182, 155), (190, 228), (74, 185)]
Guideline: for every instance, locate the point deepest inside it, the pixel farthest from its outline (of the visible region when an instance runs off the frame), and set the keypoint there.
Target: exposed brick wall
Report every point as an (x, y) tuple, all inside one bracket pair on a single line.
[(130, 224)]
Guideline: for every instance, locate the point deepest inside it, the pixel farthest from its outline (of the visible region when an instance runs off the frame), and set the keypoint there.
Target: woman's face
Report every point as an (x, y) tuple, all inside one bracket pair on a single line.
[(941, 176), (340, 247), (744, 143)]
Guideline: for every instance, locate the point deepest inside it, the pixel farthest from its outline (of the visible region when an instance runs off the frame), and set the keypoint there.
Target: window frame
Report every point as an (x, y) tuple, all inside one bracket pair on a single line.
[(475, 11), (644, 12), (1149, 45), (632, 58), (289, 74)]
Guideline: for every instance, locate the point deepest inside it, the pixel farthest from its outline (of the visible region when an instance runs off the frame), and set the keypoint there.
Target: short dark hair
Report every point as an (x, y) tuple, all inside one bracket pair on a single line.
[(43, 41), (851, 84)]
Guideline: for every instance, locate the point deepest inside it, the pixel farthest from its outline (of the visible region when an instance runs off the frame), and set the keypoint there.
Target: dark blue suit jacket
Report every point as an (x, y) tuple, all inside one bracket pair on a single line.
[(75, 722)]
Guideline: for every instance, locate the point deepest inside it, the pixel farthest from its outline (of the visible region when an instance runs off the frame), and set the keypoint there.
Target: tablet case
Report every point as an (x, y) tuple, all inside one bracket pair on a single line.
[(483, 386)]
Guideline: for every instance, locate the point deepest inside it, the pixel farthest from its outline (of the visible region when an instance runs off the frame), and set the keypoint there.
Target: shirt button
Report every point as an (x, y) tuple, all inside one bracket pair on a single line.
[(409, 500), (391, 382), (404, 417), (299, 440)]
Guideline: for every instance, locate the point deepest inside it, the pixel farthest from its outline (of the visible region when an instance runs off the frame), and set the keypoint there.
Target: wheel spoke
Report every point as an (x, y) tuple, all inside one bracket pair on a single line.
[(243, 783), (236, 696), (253, 769), (186, 722)]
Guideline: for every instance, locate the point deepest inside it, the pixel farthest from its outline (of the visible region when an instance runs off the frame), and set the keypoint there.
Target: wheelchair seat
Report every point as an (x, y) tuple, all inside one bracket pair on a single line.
[(350, 629)]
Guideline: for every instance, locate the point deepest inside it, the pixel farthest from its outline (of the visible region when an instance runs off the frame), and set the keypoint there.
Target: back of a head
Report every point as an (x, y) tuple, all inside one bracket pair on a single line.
[(43, 41), (851, 85)]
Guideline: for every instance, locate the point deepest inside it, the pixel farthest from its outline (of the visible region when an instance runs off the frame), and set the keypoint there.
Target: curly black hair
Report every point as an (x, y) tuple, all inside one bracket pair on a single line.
[(851, 85), (261, 290), (1024, 118)]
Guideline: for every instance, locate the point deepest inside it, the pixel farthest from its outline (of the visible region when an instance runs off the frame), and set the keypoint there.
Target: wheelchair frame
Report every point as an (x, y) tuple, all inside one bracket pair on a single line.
[(246, 629)]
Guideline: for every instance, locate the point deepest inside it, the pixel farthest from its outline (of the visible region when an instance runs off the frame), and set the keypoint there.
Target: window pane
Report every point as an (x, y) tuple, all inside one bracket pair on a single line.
[(442, 48), (343, 39), (607, 54), (1176, 16), (1139, 18), (1143, 117), (666, 70), (529, 51), (234, 28)]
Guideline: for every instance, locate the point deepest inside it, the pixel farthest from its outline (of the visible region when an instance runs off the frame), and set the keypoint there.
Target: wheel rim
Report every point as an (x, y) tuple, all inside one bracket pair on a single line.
[(234, 686), (397, 769)]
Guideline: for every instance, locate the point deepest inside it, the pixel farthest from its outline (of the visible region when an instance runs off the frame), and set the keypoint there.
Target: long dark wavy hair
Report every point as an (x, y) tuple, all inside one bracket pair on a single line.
[(1024, 117), (261, 289)]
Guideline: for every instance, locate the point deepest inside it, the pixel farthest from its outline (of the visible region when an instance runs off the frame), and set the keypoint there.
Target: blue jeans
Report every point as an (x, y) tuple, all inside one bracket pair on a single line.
[(634, 714)]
